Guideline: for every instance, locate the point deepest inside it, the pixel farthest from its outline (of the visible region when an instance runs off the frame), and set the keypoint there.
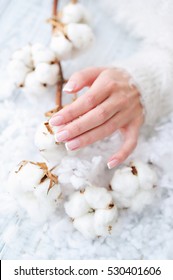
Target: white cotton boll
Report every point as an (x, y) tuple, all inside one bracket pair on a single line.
[(47, 73), (42, 192), (146, 175), (24, 55), (125, 182), (55, 194), (74, 13), (120, 200), (97, 197), (52, 151), (47, 56), (141, 200), (105, 216), (76, 206), (41, 53), (33, 88), (85, 225), (104, 219), (62, 47), (80, 35), (44, 137), (104, 230), (35, 189), (77, 182), (17, 72), (25, 177)]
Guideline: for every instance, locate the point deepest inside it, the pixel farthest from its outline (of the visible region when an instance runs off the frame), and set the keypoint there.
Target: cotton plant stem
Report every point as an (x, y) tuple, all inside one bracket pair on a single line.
[(75, 94), (74, 1), (58, 96), (60, 83), (54, 9)]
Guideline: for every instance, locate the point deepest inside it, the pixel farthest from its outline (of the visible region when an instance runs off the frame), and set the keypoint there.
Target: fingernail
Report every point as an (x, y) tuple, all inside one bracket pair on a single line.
[(56, 120), (62, 136), (112, 163), (58, 128), (70, 86), (72, 145)]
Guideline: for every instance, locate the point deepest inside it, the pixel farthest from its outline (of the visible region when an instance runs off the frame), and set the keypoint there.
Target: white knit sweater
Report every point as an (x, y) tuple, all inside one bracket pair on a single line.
[(152, 67)]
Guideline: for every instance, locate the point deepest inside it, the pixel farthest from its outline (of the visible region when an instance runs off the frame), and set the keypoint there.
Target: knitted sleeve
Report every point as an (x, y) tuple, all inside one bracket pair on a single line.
[(151, 22), (151, 70)]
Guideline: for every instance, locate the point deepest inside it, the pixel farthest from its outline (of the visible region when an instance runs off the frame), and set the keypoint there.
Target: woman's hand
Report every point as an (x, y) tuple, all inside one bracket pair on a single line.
[(111, 103)]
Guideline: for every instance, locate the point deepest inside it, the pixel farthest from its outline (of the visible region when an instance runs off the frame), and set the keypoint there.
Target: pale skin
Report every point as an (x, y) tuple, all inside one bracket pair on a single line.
[(111, 103)]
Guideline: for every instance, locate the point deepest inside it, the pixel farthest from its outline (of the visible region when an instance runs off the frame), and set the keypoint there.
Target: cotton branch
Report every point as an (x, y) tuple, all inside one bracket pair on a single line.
[(58, 98)]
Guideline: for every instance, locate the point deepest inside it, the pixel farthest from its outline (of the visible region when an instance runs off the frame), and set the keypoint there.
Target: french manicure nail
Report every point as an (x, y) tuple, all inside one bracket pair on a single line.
[(70, 86), (112, 163), (57, 120), (62, 136), (72, 145)]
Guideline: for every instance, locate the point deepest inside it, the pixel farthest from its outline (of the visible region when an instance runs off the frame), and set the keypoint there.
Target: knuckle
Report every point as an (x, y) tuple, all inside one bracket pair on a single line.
[(111, 85), (124, 101), (76, 128), (123, 155), (69, 113), (102, 113), (90, 99)]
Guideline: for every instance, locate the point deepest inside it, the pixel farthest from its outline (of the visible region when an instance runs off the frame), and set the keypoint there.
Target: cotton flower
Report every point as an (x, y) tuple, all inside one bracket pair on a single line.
[(18, 71), (36, 188), (125, 184), (33, 88), (34, 69), (47, 73), (77, 205), (24, 55), (74, 13), (97, 197), (62, 47), (45, 141), (21, 178), (43, 54), (85, 226), (133, 186), (104, 220), (80, 35), (146, 175), (92, 215)]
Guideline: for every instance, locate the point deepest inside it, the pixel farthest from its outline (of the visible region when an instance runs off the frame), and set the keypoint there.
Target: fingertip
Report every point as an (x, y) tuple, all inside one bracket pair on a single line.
[(56, 120), (70, 87), (112, 163)]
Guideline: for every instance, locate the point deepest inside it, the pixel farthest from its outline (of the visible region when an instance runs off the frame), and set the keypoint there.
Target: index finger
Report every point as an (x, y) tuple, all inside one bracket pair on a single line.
[(95, 95)]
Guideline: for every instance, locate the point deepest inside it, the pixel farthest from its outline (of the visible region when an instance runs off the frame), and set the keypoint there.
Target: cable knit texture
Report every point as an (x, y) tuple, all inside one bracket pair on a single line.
[(152, 67)]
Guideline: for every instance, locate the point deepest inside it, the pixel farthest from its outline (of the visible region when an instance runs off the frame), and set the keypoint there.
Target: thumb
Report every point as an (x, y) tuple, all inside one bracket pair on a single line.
[(82, 79)]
